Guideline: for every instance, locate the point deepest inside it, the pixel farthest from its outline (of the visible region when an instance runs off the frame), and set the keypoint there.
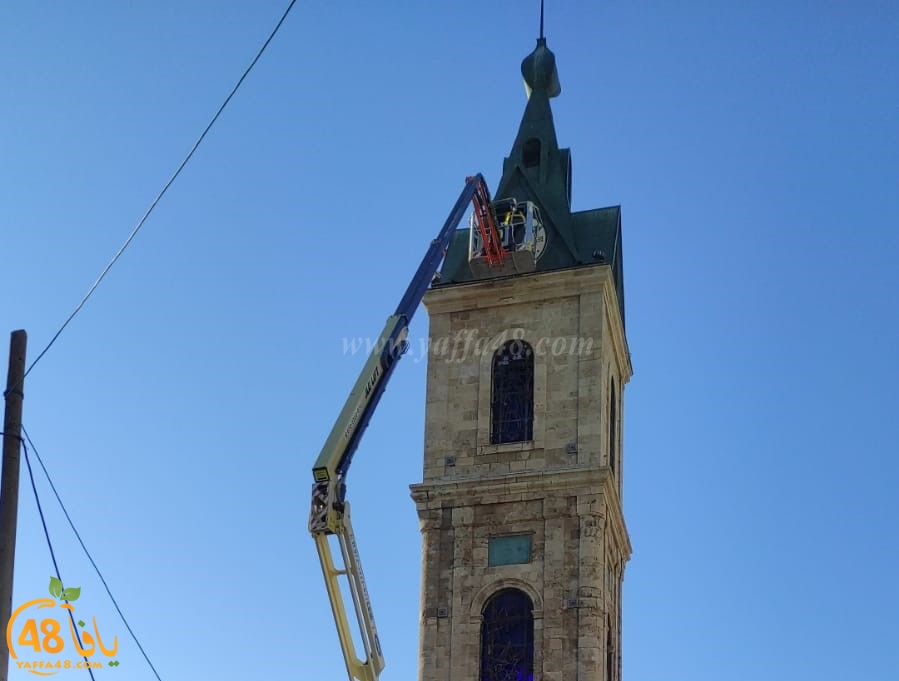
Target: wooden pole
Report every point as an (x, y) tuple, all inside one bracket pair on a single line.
[(9, 484)]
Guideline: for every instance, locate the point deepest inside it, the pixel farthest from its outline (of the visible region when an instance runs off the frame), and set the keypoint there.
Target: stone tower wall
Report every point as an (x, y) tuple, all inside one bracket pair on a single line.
[(557, 488)]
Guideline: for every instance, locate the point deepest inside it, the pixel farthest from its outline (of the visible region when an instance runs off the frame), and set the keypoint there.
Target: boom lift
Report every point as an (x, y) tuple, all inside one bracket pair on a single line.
[(330, 514)]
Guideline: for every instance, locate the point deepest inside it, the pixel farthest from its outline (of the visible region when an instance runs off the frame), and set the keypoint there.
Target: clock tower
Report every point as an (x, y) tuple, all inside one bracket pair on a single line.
[(524, 542)]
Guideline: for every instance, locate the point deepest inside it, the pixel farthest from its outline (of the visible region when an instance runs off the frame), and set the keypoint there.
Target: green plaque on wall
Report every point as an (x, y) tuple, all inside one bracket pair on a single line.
[(511, 550)]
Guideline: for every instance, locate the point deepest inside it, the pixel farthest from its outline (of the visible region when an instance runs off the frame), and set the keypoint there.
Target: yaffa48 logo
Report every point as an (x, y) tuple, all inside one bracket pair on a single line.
[(46, 635)]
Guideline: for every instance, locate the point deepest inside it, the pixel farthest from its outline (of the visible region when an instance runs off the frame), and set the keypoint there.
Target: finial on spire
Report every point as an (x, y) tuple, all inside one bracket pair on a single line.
[(539, 67), (541, 19)]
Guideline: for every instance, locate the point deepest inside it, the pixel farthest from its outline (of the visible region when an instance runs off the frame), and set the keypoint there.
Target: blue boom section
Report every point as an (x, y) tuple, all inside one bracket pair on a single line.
[(429, 264), (396, 343)]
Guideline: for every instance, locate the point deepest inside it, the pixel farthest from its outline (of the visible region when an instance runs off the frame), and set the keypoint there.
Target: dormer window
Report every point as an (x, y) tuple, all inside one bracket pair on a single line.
[(531, 153)]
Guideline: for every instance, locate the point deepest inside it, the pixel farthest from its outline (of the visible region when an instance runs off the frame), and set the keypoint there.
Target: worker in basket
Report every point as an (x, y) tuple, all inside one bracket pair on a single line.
[(513, 224)]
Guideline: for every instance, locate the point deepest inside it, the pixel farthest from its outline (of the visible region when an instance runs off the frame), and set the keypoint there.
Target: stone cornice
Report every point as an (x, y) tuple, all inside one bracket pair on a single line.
[(526, 486), (513, 290)]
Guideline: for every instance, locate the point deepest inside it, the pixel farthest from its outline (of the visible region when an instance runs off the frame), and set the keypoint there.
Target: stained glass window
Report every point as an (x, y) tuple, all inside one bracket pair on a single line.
[(507, 637), (512, 401)]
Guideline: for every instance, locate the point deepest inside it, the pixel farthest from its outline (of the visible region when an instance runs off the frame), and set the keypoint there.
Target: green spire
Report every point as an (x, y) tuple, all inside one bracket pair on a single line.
[(536, 169)]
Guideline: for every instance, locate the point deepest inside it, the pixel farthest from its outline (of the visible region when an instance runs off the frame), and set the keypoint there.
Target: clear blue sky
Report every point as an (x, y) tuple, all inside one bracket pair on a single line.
[(754, 149)]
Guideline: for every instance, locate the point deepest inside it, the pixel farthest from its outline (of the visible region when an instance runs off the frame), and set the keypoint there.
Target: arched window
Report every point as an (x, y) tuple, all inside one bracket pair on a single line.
[(530, 154), (613, 426), (512, 401), (507, 637)]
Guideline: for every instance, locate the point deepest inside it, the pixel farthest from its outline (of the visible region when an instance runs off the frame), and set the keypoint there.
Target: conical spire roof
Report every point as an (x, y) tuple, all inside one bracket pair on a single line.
[(537, 170)]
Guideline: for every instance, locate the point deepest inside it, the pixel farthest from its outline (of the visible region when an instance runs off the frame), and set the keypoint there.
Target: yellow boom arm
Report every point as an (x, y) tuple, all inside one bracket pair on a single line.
[(370, 668), (330, 514)]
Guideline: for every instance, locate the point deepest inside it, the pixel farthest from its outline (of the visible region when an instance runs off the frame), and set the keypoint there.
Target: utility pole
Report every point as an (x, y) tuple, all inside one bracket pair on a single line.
[(9, 484)]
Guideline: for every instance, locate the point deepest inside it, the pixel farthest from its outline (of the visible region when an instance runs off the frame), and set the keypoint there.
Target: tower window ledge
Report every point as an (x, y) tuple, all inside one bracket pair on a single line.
[(525, 446)]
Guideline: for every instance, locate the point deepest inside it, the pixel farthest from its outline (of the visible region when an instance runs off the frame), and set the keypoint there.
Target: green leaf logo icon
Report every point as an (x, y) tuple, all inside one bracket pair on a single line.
[(71, 594)]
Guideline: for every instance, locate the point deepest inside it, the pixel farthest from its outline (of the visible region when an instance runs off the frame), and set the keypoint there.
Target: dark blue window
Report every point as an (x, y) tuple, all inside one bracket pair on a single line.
[(507, 637), (512, 401)]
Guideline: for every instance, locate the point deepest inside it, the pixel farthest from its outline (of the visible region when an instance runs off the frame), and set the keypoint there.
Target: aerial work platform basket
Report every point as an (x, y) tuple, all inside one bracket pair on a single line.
[(520, 237)]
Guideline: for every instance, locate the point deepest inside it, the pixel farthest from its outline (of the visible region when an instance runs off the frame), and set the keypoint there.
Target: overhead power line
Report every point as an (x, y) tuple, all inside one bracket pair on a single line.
[(164, 189), (40, 511), (87, 553)]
